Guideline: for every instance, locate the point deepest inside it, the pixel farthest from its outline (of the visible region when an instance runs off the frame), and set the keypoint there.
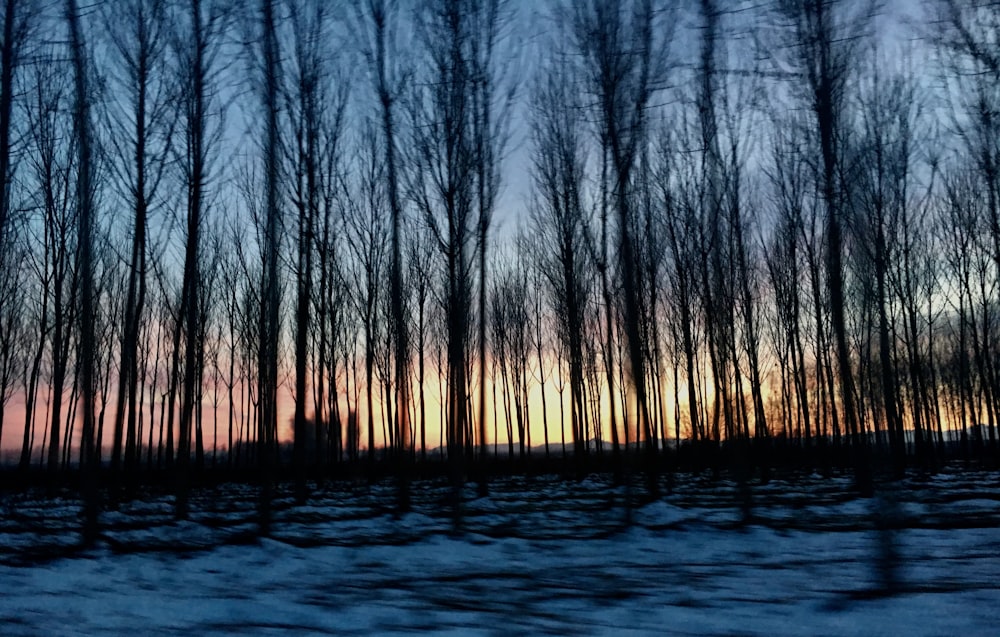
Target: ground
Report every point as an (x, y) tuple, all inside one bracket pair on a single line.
[(537, 556)]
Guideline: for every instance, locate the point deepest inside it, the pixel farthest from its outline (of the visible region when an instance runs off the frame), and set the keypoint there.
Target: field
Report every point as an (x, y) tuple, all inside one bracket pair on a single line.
[(537, 556)]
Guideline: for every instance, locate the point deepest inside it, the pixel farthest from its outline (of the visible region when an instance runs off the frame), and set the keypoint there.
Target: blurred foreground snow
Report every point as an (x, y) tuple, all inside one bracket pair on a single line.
[(536, 557)]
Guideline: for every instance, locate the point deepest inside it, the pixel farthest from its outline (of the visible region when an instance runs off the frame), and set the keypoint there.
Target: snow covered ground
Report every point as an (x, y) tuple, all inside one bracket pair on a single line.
[(538, 556)]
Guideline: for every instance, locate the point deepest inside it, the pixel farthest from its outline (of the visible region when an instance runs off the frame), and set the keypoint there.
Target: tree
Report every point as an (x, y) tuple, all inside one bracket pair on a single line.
[(388, 83), (18, 20), (366, 225), (510, 315), (824, 38), (680, 220), (621, 48), (196, 45), (306, 95), (883, 177), (442, 186), (790, 182), (49, 174), (559, 220), (491, 103), (13, 328), (267, 361), (420, 251), (85, 255), (142, 125), (966, 34)]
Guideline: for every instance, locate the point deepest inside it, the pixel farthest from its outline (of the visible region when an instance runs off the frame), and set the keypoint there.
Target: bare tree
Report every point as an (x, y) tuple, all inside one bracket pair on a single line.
[(18, 20), (50, 166), (267, 362), (442, 187), (790, 181), (621, 46), (308, 93), (966, 33), (366, 224), (85, 250), (420, 251), (136, 35), (511, 346), (388, 80), (824, 38), (559, 220), (883, 183), (681, 229), (196, 47), (13, 327), (492, 95)]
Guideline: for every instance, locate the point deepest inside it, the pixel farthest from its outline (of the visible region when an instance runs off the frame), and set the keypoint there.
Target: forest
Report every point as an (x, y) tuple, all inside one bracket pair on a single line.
[(290, 240)]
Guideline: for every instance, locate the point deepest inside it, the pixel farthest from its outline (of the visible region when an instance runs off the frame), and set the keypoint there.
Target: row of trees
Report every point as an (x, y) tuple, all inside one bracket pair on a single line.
[(790, 233)]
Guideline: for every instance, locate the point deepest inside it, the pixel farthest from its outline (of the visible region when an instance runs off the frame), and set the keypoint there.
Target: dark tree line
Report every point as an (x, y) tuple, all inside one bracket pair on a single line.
[(466, 228)]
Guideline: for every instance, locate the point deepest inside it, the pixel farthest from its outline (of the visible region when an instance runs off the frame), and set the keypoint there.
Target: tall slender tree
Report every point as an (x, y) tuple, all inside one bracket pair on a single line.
[(267, 362), (825, 38), (85, 250), (388, 80), (559, 220), (621, 48), (196, 46), (136, 35), (442, 186)]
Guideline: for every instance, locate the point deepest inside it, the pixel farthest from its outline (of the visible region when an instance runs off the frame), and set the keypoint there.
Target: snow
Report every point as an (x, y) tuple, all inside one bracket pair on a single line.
[(538, 556)]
